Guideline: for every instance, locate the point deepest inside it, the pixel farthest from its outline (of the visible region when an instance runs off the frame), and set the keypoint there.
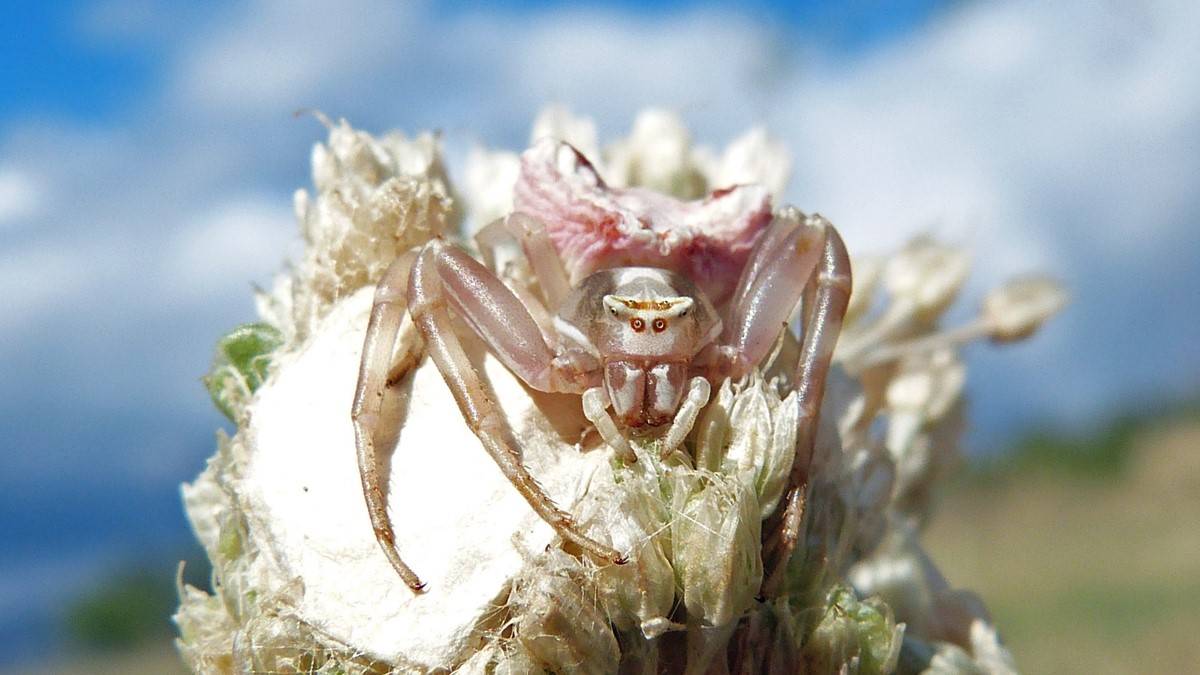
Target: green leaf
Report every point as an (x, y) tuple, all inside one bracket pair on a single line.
[(854, 629), (240, 366)]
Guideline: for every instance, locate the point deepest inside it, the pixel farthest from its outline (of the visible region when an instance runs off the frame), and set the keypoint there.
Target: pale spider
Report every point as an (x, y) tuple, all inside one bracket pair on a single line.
[(645, 341)]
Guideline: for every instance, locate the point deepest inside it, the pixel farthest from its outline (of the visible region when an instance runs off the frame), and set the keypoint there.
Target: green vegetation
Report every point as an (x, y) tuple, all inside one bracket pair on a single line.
[(133, 606), (128, 610), (1101, 453), (240, 366), (851, 627), (1088, 576)]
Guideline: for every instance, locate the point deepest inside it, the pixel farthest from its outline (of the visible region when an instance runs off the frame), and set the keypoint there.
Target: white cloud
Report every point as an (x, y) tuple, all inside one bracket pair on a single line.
[(1055, 136), (997, 109), (1040, 136), (277, 55), (21, 195), (705, 64), (218, 253), (37, 279)]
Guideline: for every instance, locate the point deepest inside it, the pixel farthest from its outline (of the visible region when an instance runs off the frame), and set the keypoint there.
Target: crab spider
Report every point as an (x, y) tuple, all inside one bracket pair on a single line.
[(643, 341)]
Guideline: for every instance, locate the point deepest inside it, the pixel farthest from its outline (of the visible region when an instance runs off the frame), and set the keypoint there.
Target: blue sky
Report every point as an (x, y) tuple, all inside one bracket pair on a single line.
[(148, 154)]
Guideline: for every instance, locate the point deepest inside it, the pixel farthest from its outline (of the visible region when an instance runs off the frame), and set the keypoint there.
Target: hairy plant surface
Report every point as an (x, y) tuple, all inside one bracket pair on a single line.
[(300, 584)]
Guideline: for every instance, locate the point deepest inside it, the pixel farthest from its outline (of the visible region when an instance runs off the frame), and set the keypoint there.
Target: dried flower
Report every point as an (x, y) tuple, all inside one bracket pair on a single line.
[(557, 620), (748, 432), (715, 545), (927, 275), (300, 584), (632, 516), (1015, 310), (860, 636)]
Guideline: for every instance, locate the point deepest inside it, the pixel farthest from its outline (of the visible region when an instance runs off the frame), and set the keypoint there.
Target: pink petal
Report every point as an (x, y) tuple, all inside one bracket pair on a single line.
[(594, 226)]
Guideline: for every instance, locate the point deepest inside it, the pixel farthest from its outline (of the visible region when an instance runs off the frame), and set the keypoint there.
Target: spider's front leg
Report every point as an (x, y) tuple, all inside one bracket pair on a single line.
[(799, 255), (444, 277), (529, 234), (375, 371)]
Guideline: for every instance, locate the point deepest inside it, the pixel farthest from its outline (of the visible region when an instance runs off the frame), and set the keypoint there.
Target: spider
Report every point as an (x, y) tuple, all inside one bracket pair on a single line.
[(644, 339)]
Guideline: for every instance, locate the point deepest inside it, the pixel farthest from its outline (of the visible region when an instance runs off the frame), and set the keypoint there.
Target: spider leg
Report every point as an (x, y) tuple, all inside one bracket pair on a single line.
[(694, 400), (374, 374), (769, 290), (827, 298), (547, 267), (798, 256), (445, 277), (781, 227), (543, 258), (496, 244), (528, 233), (595, 408)]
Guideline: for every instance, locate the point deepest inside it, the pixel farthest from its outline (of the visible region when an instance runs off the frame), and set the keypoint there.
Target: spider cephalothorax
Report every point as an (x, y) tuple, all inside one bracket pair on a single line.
[(645, 340), (644, 326)]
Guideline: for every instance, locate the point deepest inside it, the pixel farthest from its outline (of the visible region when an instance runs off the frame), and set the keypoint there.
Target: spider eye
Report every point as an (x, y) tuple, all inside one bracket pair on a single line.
[(683, 313), (637, 325), (659, 325)]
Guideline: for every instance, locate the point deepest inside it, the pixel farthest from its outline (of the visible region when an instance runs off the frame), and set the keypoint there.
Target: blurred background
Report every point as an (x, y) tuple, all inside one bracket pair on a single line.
[(148, 153)]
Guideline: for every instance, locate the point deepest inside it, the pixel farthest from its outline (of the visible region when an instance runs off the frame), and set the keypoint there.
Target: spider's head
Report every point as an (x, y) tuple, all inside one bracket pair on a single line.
[(644, 325), (650, 315), (649, 325)]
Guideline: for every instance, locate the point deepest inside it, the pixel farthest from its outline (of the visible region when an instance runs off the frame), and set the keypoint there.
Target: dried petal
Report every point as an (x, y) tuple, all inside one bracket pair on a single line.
[(375, 199), (558, 620), (715, 532), (754, 157), (631, 517), (658, 156), (713, 429), (748, 433), (593, 225), (1017, 309), (860, 635), (926, 274), (924, 389)]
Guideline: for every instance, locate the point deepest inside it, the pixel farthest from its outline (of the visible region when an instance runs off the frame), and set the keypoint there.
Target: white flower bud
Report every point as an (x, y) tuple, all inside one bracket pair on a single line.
[(559, 123), (657, 155), (923, 391), (558, 621), (920, 394), (992, 656), (1017, 309), (926, 274), (867, 273), (754, 157), (951, 659), (747, 432), (631, 517), (853, 635), (982, 655), (713, 429), (715, 534), (489, 178)]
